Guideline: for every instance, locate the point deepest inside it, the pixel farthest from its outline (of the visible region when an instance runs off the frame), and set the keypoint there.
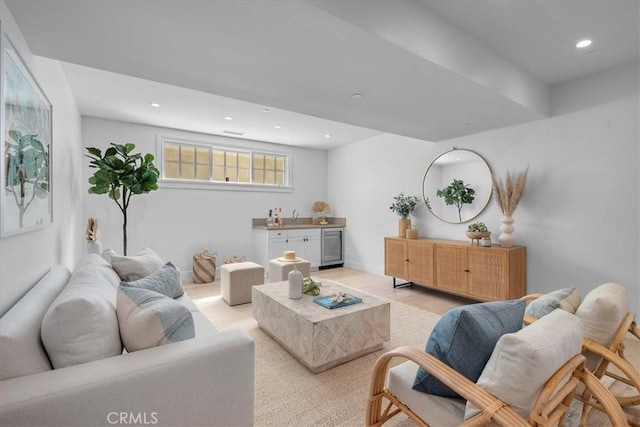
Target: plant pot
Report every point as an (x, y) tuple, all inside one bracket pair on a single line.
[(403, 226)]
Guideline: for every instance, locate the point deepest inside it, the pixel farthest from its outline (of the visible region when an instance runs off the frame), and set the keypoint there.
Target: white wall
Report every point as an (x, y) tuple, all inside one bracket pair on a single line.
[(580, 216), (177, 223), (25, 258)]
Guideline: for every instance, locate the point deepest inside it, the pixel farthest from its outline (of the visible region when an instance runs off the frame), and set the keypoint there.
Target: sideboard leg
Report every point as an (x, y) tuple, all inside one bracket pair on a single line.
[(401, 285)]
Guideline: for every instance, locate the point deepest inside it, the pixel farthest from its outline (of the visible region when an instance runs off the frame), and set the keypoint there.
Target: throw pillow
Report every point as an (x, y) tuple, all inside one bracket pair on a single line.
[(464, 339), (165, 281), (81, 325), (522, 362), (567, 299), (601, 312), (149, 319), (135, 267)]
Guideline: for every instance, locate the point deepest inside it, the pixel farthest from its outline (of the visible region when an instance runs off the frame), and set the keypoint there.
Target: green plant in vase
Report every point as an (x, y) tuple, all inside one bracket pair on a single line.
[(403, 206)]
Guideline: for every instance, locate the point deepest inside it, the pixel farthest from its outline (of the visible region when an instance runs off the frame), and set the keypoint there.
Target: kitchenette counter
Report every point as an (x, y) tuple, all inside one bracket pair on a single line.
[(300, 224)]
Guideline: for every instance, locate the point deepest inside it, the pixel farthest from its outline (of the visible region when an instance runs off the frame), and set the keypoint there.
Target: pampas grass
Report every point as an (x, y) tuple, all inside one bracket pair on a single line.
[(509, 192), (92, 233)]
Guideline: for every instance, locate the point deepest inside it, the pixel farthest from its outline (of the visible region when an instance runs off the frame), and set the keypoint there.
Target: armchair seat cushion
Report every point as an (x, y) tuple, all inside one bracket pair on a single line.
[(435, 410)]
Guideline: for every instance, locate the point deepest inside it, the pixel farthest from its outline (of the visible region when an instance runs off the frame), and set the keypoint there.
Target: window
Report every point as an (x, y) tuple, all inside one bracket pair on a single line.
[(189, 162)]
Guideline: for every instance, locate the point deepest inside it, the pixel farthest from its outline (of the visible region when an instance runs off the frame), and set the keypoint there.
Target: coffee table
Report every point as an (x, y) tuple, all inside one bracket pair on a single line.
[(321, 338)]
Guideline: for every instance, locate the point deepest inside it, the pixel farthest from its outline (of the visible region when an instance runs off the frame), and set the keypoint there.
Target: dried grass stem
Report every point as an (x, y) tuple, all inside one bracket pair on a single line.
[(509, 192)]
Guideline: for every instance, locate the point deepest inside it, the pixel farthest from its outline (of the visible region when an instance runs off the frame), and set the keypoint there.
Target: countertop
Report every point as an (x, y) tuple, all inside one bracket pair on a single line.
[(300, 224)]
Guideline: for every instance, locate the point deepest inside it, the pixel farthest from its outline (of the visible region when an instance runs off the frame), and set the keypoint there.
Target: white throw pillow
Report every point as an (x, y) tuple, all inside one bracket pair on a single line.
[(149, 319), (522, 362), (602, 311), (81, 324), (135, 267)]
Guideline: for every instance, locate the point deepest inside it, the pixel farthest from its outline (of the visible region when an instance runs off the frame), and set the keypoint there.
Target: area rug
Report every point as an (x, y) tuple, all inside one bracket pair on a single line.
[(287, 394)]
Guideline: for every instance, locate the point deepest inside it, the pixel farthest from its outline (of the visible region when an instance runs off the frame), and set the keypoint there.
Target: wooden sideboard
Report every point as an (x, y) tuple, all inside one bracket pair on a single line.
[(481, 273)]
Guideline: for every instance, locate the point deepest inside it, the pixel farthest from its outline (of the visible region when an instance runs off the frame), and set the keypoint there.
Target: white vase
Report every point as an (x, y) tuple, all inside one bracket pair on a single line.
[(295, 283), (506, 231), (94, 247)]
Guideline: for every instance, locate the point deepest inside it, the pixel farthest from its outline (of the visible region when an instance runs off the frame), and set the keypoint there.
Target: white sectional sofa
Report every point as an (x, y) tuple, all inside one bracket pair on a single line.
[(207, 380)]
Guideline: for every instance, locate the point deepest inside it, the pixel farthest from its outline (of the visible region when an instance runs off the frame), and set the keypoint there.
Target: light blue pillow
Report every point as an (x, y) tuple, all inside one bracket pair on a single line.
[(166, 281), (567, 299), (464, 339), (148, 319)]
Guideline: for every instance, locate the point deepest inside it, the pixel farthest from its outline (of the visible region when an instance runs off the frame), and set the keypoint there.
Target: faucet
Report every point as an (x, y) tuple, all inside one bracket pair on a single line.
[(294, 216)]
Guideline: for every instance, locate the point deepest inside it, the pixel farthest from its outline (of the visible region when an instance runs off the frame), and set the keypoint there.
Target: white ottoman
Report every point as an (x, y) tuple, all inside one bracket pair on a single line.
[(279, 270), (236, 280)]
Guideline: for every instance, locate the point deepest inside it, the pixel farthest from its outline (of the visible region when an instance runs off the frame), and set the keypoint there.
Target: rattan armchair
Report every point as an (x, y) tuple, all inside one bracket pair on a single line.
[(549, 409), (611, 362)]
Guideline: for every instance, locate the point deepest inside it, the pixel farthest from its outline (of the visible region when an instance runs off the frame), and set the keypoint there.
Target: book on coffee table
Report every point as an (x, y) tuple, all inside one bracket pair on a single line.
[(330, 301)]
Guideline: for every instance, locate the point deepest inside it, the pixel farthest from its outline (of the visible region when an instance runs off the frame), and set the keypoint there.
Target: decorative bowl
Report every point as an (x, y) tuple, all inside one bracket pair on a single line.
[(477, 235)]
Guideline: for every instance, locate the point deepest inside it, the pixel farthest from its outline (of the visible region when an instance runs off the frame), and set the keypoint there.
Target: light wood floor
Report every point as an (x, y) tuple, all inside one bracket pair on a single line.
[(417, 296)]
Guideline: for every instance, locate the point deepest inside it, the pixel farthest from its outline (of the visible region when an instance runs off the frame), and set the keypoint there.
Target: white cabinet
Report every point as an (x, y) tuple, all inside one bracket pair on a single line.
[(270, 244)]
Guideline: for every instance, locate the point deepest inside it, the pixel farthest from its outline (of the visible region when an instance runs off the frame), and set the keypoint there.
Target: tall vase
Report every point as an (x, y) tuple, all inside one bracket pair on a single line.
[(506, 231), (295, 283), (403, 226), (94, 247)]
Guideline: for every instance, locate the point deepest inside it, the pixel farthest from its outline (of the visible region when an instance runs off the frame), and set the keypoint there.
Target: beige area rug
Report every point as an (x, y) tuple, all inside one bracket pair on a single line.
[(287, 394)]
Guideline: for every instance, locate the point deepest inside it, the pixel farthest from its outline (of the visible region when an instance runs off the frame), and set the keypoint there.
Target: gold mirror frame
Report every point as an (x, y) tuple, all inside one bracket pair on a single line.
[(461, 164)]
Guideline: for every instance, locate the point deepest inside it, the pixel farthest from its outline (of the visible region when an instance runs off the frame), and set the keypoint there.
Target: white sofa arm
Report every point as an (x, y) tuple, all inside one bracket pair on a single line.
[(208, 380)]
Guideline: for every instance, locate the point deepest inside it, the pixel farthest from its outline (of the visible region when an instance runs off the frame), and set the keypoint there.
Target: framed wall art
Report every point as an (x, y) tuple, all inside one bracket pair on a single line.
[(25, 196)]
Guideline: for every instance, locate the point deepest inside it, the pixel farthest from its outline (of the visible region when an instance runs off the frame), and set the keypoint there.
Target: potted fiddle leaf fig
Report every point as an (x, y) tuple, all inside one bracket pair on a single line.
[(458, 194), (120, 174)]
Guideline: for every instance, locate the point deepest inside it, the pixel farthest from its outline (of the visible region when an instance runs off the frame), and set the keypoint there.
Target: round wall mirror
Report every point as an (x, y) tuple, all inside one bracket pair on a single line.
[(457, 186)]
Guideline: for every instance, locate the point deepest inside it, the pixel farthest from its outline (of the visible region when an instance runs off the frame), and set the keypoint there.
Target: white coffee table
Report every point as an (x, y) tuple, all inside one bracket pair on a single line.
[(318, 337)]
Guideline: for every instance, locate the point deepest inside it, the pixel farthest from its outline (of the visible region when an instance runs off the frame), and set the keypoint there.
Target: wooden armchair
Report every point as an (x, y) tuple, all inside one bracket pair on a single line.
[(607, 358), (549, 375)]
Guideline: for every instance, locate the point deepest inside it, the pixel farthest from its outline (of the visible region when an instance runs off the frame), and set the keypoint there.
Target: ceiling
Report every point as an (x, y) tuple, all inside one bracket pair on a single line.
[(426, 69)]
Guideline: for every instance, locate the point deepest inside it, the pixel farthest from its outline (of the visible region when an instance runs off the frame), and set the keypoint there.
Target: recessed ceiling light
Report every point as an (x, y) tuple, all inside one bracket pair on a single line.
[(278, 127), (583, 43), (265, 110), (155, 104), (327, 136), (357, 95), (228, 118)]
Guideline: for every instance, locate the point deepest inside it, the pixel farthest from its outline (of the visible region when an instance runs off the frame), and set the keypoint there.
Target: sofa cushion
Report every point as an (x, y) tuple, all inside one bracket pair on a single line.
[(81, 324), (567, 299), (135, 267), (149, 319), (464, 339), (522, 362), (166, 281), (601, 312), (21, 350)]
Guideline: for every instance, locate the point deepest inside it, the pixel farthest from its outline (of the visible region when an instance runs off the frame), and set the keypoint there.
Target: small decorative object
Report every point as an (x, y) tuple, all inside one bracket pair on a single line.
[(93, 235), (269, 222), (403, 206), (310, 287), (486, 242), (235, 258), (295, 283), (477, 231), (412, 233), (340, 299), (508, 195), (321, 210), (289, 256), (458, 194)]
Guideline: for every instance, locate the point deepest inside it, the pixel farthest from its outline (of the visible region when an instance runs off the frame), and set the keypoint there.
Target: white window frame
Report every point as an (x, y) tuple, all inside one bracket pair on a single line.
[(247, 146)]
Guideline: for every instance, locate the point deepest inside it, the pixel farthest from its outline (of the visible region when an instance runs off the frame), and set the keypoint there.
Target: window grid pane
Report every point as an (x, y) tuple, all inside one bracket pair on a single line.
[(194, 162)]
